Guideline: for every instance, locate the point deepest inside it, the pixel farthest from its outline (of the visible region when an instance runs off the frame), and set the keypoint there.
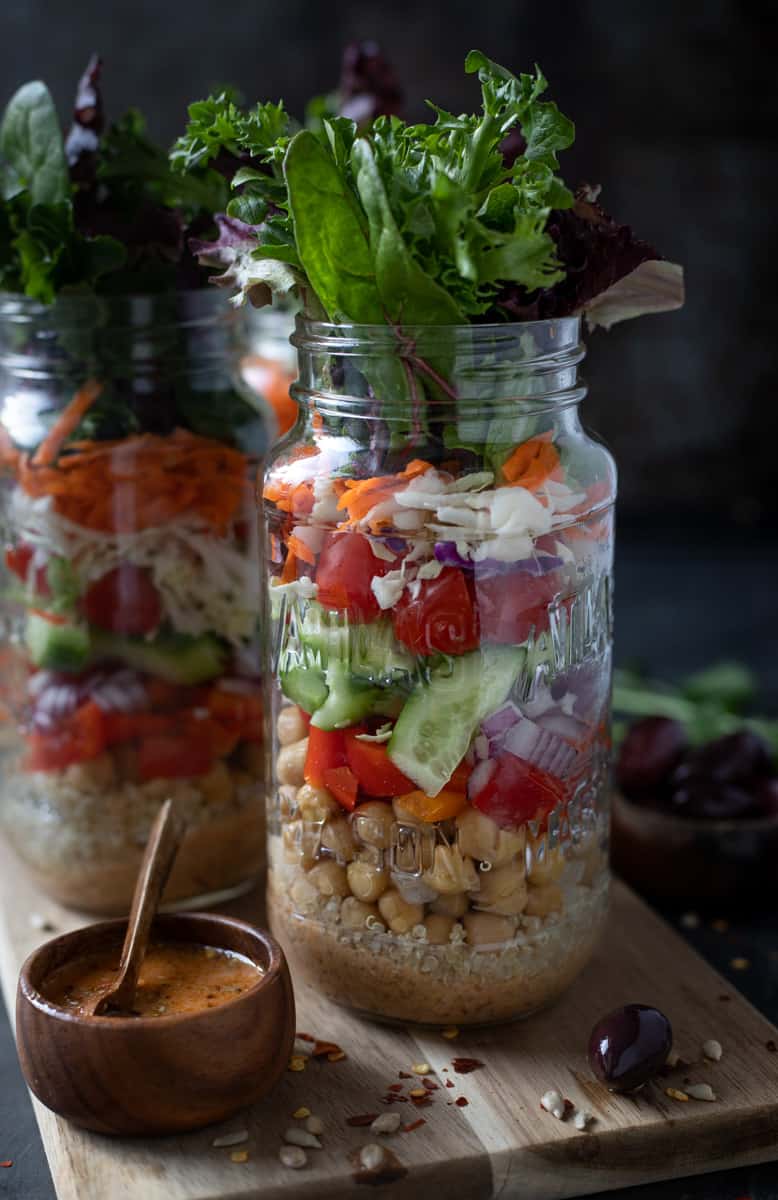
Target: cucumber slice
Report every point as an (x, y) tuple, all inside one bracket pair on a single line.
[(175, 657), (370, 651), (306, 686), (55, 646), (349, 699), (439, 719)]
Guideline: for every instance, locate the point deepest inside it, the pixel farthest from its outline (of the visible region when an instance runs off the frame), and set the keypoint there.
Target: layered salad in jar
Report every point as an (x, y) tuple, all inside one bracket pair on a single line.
[(130, 600), (439, 546)]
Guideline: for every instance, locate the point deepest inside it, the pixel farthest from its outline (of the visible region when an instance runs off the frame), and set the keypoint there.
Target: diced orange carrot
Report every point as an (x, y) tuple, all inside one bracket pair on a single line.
[(531, 463)]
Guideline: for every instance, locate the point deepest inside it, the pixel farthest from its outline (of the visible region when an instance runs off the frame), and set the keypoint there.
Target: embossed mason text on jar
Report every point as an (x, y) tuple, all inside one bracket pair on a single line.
[(440, 542)]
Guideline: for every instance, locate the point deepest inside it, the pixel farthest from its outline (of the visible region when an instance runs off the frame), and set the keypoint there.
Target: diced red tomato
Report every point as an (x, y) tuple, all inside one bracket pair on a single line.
[(76, 739), (442, 617), (346, 569), (511, 605), (170, 757), (124, 601), (125, 727), (326, 749), (517, 792), (342, 782), (376, 773), (18, 559)]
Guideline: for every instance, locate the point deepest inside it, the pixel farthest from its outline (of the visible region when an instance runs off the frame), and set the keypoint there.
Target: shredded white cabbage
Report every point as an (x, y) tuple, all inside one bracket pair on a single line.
[(206, 584)]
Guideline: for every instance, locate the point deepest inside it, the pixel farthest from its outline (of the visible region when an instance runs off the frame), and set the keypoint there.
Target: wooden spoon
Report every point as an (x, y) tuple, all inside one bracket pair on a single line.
[(158, 858)]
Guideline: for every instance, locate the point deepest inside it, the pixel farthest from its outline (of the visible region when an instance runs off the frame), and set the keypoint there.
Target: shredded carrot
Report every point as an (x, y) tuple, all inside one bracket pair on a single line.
[(532, 463), (361, 495), (67, 421), (298, 547), (289, 573), (143, 481)]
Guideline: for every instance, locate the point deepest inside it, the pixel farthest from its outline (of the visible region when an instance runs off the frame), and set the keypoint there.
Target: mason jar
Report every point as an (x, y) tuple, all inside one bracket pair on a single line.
[(131, 600), (440, 546), (268, 362)]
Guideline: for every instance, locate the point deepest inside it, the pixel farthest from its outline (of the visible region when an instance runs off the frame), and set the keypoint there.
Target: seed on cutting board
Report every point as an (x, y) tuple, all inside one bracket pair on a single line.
[(314, 1125), (292, 1156), (386, 1123), (239, 1156), (231, 1139), (421, 1068), (740, 964), (672, 1059), (712, 1049), (553, 1103), (371, 1156), (38, 921), (297, 1063), (675, 1094), (301, 1113), (417, 1093), (582, 1118), (301, 1137), (700, 1091), (450, 1032)]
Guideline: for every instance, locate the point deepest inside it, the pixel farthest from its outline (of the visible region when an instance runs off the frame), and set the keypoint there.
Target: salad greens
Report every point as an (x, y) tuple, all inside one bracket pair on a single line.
[(708, 703), (95, 210), (416, 223)]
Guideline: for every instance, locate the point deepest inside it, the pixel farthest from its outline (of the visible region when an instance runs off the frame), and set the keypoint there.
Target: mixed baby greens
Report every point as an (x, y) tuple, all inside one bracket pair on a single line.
[(462, 220)]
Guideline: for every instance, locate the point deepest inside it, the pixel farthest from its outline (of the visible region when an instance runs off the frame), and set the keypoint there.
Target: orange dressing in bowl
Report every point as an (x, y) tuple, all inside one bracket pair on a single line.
[(176, 978)]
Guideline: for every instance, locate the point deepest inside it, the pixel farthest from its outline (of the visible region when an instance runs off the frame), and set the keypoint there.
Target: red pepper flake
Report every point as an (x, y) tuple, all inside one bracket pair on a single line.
[(461, 1102), (363, 1119), (404, 1075), (421, 1101), (414, 1125), (8, 1162), (395, 1087), (306, 1037), (771, 1046), (463, 1066), (450, 1083), (393, 1098), (321, 1048)]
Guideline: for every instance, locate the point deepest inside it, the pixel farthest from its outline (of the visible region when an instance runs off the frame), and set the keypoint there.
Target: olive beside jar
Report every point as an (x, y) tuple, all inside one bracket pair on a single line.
[(439, 539), (131, 606)]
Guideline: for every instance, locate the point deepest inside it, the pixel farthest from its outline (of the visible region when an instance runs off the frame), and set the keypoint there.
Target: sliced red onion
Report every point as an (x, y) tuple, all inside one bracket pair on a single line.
[(121, 691), (38, 682), (540, 747), (57, 701), (480, 776), (500, 721)]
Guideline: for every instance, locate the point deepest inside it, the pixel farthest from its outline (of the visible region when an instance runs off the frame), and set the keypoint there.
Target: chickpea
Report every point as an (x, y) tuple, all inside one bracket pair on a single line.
[(316, 804), (372, 823), (366, 880), (451, 872), (546, 865), (541, 901), (399, 915), (482, 839), (488, 929), (304, 895), (291, 763), (336, 837), (354, 913), (438, 929), (455, 904), (290, 726), (329, 878), (287, 801), (502, 890), (292, 842)]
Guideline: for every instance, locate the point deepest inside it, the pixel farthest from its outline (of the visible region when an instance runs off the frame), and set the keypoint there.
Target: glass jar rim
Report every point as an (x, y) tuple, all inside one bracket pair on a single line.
[(179, 306)]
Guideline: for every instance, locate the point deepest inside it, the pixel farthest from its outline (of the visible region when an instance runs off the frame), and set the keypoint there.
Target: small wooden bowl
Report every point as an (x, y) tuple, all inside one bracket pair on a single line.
[(156, 1075)]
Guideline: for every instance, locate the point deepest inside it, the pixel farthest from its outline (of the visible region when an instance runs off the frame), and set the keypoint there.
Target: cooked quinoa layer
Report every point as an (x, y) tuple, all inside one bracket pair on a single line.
[(81, 832), (402, 978)]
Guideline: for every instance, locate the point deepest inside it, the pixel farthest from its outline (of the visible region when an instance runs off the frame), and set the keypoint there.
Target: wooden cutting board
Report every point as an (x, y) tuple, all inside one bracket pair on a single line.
[(501, 1143)]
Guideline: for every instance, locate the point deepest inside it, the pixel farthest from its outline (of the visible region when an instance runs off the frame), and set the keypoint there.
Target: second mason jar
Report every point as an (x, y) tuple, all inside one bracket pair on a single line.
[(131, 599), (440, 544)]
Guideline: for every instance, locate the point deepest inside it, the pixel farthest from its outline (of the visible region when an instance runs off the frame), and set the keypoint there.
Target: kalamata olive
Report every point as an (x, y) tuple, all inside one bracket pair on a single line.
[(652, 748), (735, 758), (712, 799), (630, 1046), (767, 798)]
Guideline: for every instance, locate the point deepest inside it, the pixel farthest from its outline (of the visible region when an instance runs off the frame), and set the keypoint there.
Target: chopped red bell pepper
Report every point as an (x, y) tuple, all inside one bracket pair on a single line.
[(343, 784), (78, 738), (376, 773), (326, 749), (517, 792)]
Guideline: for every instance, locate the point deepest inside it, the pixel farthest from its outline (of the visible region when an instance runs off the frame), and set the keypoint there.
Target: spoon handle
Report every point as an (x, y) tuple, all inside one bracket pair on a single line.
[(159, 855)]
